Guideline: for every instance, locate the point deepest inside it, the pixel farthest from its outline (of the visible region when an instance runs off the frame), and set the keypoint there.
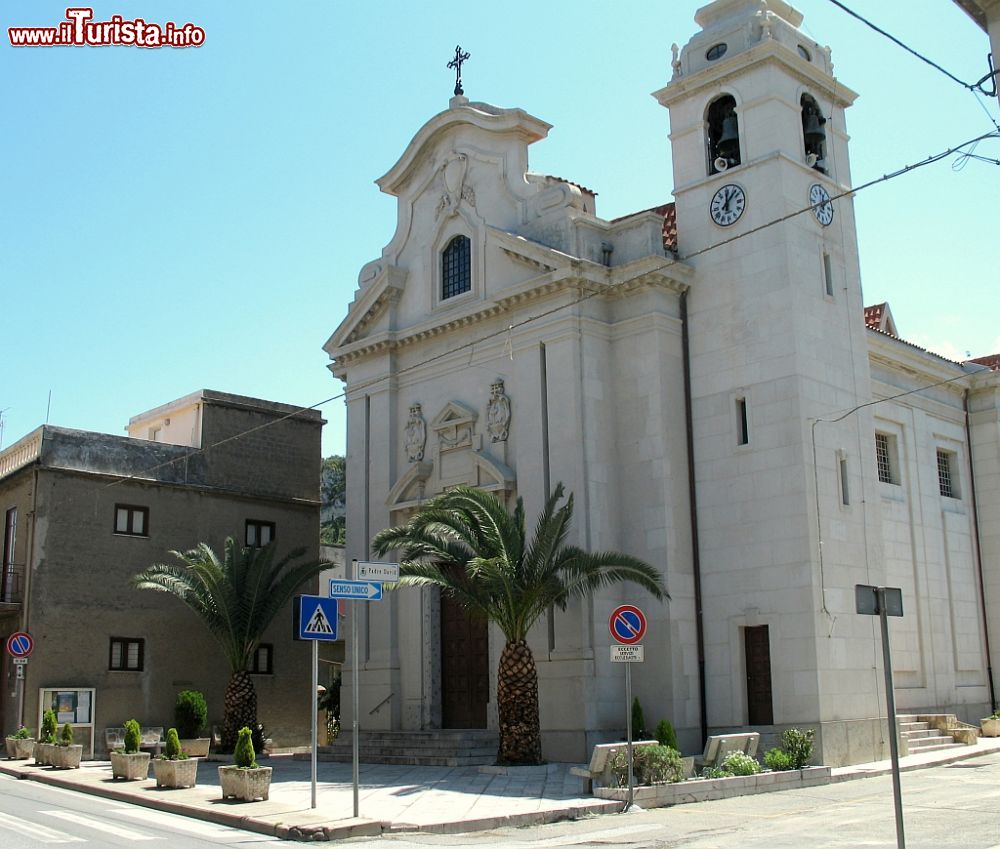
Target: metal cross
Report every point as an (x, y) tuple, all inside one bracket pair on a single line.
[(456, 63)]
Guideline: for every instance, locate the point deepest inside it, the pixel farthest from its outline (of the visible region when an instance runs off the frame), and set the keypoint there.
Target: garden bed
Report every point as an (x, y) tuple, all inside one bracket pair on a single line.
[(705, 789)]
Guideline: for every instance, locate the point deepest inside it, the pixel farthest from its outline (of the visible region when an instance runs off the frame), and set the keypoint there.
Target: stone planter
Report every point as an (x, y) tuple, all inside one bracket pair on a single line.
[(245, 784), (196, 747), (990, 726), (66, 757), (175, 773), (19, 748), (131, 767), (43, 753)]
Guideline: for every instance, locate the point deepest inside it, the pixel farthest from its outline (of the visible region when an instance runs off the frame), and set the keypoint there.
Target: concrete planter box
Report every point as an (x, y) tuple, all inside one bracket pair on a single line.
[(704, 789), (43, 753), (20, 749), (196, 747), (175, 773), (990, 726), (66, 757), (131, 767), (245, 784)]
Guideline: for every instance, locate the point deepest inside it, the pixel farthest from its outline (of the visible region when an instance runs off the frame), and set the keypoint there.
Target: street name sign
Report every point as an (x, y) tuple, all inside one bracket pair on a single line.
[(356, 590), (387, 572), (626, 654), (317, 618), (627, 624)]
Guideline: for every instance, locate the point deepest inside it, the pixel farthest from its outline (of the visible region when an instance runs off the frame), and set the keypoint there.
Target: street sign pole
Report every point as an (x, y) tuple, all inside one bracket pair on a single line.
[(628, 733), (315, 713), (354, 694), (890, 701)]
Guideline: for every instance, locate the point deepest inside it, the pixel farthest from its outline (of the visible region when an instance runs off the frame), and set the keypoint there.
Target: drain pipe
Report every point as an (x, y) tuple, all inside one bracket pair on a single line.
[(979, 555), (693, 512)]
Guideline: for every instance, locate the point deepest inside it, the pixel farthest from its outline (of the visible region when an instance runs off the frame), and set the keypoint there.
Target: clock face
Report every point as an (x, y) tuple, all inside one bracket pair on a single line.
[(728, 204), (819, 198)]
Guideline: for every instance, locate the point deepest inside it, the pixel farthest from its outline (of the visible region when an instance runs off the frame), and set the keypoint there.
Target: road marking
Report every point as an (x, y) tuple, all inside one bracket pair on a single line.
[(183, 823), (36, 831), (100, 825)]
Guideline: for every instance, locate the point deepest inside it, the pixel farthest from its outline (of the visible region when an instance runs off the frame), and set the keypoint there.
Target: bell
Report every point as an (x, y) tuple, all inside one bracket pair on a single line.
[(812, 129), (728, 145)]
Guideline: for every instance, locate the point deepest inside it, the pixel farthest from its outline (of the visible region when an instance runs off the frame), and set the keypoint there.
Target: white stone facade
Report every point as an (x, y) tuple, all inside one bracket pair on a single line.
[(639, 368)]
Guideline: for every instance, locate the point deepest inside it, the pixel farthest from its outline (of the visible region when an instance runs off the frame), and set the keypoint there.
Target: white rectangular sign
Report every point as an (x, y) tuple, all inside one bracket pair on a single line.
[(626, 654), (19, 661), (368, 571)]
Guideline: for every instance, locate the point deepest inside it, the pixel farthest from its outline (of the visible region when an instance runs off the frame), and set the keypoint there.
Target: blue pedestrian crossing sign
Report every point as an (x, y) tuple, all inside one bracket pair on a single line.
[(317, 618)]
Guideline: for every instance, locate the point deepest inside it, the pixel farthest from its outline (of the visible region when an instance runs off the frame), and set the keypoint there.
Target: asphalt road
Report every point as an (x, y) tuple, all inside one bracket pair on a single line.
[(949, 806), (34, 815)]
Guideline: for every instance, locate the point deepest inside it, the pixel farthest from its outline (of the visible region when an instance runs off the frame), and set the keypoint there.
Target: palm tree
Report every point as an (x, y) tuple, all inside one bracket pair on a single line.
[(236, 598), (467, 543)]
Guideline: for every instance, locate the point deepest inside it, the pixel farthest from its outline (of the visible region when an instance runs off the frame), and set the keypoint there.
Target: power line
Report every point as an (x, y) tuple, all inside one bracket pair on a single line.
[(574, 302), (970, 86)]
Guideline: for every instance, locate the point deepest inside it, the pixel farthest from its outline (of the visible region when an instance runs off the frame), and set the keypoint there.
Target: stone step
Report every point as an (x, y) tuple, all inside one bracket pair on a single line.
[(918, 734), (912, 727), (939, 747), (422, 760), (449, 747)]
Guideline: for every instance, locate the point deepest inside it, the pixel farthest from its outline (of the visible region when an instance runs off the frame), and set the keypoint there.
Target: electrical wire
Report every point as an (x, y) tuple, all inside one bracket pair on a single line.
[(977, 86), (509, 327)]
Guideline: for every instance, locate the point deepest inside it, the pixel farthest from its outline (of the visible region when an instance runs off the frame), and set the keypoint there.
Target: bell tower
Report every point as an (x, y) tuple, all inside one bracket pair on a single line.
[(786, 493)]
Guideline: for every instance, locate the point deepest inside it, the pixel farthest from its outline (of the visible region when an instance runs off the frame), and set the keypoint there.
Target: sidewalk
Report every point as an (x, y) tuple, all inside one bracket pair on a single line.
[(392, 798)]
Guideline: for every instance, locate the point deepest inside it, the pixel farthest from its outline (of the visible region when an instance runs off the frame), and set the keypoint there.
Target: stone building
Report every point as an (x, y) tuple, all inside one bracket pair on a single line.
[(702, 377), (85, 511)]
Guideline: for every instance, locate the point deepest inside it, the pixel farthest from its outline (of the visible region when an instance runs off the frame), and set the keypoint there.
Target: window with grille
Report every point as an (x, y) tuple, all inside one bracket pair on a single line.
[(131, 520), (456, 267), (126, 654), (259, 533), (947, 483), (885, 451)]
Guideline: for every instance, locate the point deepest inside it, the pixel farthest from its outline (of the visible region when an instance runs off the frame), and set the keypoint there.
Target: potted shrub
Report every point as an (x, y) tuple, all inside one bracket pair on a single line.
[(245, 780), (174, 768), (66, 754), (991, 725), (191, 716), (130, 763), (20, 744), (46, 739)]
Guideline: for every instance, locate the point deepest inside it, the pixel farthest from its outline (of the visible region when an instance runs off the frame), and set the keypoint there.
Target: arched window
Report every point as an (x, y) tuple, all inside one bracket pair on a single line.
[(813, 133), (456, 267), (723, 134)]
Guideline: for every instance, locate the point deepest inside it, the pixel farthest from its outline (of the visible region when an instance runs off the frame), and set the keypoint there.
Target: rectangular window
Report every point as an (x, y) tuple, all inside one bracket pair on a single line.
[(263, 660), (827, 275), (845, 495), (126, 654), (885, 458), (742, 426), (7, 577), (947, 479), (259, 533), (132, 520)]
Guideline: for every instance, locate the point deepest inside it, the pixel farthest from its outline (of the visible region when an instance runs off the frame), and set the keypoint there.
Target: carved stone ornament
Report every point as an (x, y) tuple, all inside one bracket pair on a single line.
[(453, 173), (416, 435), (675, 61), (498, 413)]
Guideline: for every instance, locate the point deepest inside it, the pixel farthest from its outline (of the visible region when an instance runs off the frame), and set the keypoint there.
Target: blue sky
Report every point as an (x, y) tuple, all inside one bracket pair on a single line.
[(180, 219)]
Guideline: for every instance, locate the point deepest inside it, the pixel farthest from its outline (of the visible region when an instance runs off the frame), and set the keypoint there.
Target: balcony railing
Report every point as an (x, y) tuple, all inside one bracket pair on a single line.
[(12, 584)]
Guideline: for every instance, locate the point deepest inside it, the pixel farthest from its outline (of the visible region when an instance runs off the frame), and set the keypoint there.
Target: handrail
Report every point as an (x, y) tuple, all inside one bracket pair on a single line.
[(379, 705)]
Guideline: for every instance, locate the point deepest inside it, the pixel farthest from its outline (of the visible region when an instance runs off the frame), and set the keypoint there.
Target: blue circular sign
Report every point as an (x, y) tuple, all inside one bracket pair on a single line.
[(20, 644), (627, 624)]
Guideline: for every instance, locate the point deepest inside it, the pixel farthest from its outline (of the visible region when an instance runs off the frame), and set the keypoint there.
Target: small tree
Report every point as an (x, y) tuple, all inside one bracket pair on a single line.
[(49, 726), (66, 735), (799, 746), (638, 720), (172, 749), (245, 756), (190, 713), (133, 737), (665, 734)]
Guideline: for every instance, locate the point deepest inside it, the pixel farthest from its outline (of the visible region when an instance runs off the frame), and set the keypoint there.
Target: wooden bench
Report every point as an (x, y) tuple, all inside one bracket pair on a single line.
[(599, 769), (719, 746), (150, 738)]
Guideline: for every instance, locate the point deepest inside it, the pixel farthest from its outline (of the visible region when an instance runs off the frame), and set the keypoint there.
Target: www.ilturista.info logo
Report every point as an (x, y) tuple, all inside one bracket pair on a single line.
[(81, 30)]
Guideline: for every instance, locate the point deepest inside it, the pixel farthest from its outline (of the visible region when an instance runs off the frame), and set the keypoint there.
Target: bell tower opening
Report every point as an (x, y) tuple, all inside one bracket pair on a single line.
[(723, 134), (813, 133)]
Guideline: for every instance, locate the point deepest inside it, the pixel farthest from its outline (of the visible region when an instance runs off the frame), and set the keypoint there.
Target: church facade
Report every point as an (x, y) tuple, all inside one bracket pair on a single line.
[(704, 377)]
